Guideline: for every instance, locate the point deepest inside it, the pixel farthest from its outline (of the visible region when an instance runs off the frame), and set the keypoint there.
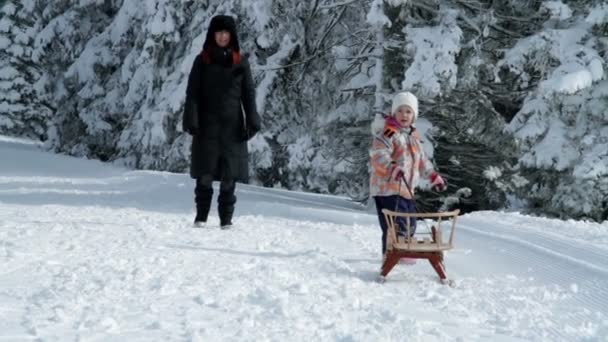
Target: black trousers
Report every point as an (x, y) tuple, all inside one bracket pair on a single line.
[(203, 193)]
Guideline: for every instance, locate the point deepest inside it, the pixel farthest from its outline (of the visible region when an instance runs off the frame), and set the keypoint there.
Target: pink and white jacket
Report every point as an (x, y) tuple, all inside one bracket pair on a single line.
[(395, 146)]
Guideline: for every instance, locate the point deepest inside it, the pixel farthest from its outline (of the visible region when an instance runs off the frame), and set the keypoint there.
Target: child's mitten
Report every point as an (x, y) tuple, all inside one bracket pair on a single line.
[(438, 183)]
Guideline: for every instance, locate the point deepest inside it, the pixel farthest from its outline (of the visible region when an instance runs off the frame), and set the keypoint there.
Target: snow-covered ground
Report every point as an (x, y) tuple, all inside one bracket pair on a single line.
[(93, 252)]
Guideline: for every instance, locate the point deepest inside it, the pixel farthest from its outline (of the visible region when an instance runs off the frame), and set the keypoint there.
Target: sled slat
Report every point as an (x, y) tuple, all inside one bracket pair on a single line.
[(421, 247), (423, 215)]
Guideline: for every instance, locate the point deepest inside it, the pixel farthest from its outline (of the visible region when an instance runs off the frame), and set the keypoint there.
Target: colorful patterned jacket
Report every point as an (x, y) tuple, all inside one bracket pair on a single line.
[(394, 146)]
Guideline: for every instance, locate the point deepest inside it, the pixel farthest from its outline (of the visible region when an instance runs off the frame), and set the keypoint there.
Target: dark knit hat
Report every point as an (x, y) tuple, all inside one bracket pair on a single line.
[(222, 23)]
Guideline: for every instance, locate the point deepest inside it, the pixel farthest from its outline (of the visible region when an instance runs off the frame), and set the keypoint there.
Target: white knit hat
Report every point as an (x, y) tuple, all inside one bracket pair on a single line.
[(405, 98)]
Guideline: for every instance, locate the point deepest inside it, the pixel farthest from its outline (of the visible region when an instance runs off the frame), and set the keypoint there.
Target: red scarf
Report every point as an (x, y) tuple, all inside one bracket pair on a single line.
[(236, 57)]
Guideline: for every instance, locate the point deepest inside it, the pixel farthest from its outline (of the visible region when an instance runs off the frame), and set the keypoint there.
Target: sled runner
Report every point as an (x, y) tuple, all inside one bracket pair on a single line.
[(418, 246)]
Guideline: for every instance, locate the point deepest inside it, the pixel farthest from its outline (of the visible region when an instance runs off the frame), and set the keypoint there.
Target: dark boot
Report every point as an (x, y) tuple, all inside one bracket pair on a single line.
[(202, 196), (226, 201), (202, 209)]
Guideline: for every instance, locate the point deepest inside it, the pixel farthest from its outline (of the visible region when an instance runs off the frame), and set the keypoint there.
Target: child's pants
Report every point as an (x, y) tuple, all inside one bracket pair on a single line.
[(398, 204)]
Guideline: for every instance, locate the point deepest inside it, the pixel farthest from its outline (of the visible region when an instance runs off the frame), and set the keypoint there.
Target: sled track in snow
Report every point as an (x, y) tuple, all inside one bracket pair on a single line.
[(567, 264), (546, 244)]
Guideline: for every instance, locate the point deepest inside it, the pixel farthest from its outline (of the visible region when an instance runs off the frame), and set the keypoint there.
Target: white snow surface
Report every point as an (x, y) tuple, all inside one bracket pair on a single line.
[(94, 252)]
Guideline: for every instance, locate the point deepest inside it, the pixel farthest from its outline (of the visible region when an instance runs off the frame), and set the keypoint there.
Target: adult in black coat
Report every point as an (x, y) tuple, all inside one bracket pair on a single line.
[(221, 115)]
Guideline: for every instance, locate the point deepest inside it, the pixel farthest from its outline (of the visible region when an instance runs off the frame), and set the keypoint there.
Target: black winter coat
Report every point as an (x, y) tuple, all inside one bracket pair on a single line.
[(221, 115)]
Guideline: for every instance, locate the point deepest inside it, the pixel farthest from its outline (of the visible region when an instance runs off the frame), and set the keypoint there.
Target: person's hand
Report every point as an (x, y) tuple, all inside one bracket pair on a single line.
[(390, 129), (249, 133), (438, 183), (397, 173), (190, 120)]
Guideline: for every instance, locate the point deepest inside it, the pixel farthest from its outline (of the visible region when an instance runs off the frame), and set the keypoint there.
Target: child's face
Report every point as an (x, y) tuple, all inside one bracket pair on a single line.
[(405, 116)]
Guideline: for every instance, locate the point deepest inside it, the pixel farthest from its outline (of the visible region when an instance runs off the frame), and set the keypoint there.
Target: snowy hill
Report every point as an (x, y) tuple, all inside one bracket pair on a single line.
[(94, 252)]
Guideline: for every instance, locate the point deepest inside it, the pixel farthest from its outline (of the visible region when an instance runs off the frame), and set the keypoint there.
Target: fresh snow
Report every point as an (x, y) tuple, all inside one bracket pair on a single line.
[(93, 252), (434, 62), (558, 10)]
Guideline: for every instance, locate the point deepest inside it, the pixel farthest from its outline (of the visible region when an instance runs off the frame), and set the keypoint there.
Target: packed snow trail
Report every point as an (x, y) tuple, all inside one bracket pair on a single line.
[(94, 252)]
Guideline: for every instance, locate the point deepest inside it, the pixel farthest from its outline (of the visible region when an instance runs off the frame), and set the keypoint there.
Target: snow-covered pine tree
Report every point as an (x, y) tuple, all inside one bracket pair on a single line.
[(66, 30), (336, 85), (355, 67), (111, 76), (309, 77), (563, 123), (24, 108)]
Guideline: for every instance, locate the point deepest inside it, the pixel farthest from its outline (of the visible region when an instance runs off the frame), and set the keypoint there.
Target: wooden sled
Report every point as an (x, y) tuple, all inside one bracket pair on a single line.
[(430, 247)]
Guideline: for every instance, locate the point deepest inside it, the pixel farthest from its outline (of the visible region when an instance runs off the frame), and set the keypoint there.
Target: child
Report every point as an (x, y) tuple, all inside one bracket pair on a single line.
[(398, 161)]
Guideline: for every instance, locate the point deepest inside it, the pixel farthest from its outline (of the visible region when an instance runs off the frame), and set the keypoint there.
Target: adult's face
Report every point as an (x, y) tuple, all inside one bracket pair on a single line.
[(222, 38)]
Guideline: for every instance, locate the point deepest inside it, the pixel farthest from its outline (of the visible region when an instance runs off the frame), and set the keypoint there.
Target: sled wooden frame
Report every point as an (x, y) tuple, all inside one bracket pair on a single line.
[(430, 248)]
